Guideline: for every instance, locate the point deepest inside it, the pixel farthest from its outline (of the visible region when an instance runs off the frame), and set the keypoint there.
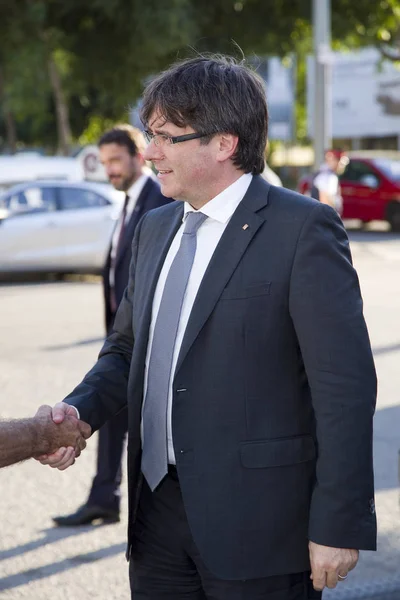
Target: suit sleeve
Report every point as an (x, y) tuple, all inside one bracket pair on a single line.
[(103, 391), (327, 312)]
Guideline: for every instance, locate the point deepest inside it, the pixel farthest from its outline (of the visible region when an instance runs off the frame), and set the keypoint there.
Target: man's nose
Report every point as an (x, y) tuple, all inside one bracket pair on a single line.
[(152, 151)]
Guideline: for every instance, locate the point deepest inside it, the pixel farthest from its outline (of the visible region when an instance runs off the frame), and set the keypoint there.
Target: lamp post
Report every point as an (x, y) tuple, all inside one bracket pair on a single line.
[(322, 118)]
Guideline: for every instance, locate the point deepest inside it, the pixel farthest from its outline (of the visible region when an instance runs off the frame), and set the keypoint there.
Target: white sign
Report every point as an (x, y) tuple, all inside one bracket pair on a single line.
[(365, 95), (280, 90)]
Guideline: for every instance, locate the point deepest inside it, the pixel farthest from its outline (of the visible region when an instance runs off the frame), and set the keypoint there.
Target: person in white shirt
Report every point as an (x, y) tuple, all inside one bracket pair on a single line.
[(326, 182), (241, 351)]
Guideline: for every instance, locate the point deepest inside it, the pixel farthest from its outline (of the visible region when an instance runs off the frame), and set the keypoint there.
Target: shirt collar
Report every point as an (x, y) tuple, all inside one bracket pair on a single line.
[(222, 207), (137, 187)]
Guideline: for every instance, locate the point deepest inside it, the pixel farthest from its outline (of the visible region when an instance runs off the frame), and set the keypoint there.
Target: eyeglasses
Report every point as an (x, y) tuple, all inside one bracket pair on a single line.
[(161, 139)]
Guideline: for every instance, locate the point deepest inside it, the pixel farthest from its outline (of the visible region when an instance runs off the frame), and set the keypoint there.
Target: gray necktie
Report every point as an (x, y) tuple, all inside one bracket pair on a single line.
[(155, 452)]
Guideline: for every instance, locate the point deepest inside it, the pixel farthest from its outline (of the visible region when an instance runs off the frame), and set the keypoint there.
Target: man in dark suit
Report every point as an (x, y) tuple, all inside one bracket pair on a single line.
[(121, 153), (241, 350)]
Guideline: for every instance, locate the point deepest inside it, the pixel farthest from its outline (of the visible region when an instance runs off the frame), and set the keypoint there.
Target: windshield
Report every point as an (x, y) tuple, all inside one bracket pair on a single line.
[(390, 168)]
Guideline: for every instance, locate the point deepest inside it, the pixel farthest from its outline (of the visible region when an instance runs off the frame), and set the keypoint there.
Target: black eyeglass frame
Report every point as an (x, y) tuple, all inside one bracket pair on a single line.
[(177, 138)]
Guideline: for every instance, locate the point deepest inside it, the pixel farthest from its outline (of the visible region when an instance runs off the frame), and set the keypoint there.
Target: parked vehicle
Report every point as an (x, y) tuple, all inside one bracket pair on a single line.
[(31, 166), (370, 185), (270, 176), (57, 226)]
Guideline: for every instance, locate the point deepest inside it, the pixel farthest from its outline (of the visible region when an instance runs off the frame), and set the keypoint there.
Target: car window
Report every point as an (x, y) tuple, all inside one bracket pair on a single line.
[(390, 168), (72, 198), (356, 170), (31, 199)]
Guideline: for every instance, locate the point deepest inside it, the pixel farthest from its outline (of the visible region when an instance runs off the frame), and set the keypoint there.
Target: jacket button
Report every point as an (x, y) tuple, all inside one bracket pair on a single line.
[(372, 506)]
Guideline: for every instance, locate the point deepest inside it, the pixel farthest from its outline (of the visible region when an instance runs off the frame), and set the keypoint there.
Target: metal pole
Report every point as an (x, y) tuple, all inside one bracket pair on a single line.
[(322, 79)]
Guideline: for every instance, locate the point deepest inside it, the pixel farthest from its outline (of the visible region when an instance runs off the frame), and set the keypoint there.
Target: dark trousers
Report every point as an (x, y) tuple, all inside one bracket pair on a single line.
[(165, 563), (105, 491)]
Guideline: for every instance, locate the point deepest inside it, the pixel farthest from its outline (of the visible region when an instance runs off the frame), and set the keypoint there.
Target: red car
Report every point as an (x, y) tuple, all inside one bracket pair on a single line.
[(370, 189)]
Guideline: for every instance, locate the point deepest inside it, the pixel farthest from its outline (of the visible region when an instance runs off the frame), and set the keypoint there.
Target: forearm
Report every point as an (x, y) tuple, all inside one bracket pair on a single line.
[(103, 391), (19, 440)]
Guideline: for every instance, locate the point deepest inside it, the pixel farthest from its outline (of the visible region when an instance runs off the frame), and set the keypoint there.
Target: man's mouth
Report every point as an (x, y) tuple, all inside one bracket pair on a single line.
[(163, 173)]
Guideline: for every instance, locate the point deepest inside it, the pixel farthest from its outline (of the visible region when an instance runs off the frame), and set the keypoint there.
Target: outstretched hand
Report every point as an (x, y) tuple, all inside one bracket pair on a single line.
[(65, 433)]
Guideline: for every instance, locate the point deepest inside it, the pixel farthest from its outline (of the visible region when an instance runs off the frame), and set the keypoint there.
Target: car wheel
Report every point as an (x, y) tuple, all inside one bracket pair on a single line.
[(393, 216)]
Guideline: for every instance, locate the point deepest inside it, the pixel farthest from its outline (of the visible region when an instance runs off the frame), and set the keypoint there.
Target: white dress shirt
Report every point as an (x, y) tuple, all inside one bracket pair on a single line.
[(327, 181), (219, 211), (134, 192)]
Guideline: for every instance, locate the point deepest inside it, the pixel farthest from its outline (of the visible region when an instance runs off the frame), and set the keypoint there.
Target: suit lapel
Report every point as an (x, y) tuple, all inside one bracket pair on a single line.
[(137, 213), (238, 234), (157, 246)]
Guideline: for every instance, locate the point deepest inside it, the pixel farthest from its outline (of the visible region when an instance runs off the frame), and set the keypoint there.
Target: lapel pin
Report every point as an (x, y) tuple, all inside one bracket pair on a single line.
[(245, 227)]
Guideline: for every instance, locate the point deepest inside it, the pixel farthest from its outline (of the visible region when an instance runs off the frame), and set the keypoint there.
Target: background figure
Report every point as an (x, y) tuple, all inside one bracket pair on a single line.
[(270, 176), (121, 153), (326, 183), (21, 439)]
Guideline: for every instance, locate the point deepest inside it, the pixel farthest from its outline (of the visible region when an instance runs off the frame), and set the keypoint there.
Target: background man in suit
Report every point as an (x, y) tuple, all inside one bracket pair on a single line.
[(121, 153), (21, 439), (242, 352)]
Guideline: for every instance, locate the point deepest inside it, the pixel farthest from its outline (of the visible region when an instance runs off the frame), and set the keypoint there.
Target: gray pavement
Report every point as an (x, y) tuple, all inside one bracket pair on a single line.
[(50, 335)]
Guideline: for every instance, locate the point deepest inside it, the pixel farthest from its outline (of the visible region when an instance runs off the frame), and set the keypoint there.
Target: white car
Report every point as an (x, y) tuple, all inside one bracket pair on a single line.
[(57, 226), (32, 166)]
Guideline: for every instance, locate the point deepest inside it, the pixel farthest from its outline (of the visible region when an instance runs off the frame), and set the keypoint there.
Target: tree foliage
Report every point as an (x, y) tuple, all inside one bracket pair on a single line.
[(104, 50)]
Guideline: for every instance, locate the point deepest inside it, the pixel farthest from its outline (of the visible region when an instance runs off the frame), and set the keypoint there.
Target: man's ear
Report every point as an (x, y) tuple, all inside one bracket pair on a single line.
[(227, 144)]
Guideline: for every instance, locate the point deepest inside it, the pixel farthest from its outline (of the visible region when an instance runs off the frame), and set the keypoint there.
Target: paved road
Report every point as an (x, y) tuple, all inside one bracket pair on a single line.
[(50, 334)]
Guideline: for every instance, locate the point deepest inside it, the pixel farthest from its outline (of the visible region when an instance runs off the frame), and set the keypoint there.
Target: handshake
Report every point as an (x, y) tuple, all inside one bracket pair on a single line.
[(54, 436), (64, 435)]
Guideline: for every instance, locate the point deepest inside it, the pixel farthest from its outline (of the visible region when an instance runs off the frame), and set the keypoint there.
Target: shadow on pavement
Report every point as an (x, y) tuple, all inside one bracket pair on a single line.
[(30, 575), (73, 345), (373, 236), (52, 536), (386, 349), (379, 590)]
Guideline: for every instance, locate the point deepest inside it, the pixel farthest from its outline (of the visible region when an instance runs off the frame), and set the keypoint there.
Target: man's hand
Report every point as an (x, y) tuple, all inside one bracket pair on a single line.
[(328, 563), (65, 433)]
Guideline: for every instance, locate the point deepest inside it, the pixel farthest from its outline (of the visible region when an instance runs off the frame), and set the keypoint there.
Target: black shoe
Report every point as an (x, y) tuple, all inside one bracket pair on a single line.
[(86, 514)]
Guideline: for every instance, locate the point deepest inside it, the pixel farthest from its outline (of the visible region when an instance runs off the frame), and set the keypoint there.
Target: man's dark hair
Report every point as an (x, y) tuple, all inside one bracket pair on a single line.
[(124, 135), (214, 94)]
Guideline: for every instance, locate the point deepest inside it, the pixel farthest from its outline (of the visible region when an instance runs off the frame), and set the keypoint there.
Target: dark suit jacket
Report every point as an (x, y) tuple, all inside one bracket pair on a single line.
[(274, 390), (149, 198)]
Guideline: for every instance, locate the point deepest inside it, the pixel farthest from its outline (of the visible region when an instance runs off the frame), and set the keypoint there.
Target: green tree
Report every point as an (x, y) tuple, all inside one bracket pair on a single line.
[(68, 67)]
